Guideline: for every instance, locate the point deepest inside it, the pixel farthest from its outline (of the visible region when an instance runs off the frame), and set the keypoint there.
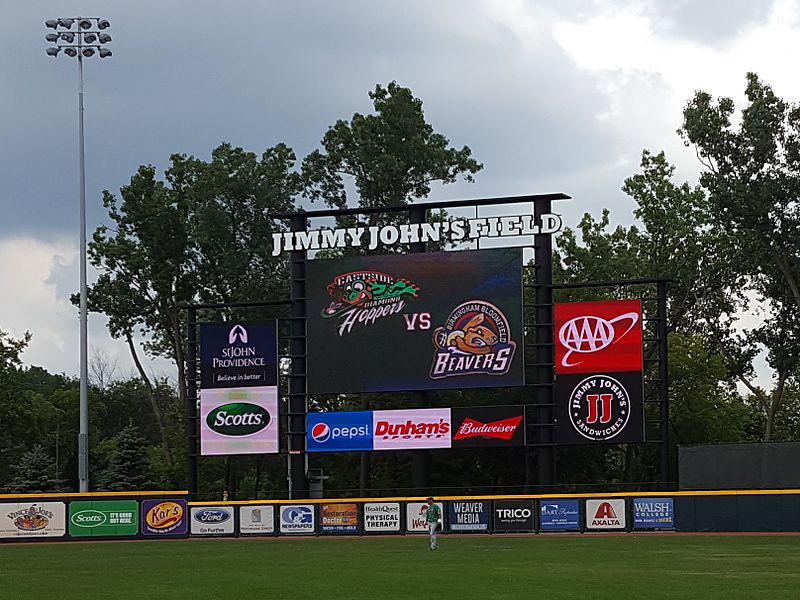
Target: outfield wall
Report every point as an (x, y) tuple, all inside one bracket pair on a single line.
[(168, 514)]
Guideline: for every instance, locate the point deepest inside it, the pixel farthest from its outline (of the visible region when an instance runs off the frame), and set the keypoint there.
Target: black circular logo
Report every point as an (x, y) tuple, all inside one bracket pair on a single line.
[(599, 407)]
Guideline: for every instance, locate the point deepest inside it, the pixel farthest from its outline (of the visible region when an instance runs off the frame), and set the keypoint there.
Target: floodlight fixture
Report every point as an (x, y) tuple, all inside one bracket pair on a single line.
[(51, 23), (66, 23), (88, 52), (103, 24), (68, 37), (85, 24), (71, 52), (89, 38), (104, 38), (51, 37), (104, 52), (53, 51)]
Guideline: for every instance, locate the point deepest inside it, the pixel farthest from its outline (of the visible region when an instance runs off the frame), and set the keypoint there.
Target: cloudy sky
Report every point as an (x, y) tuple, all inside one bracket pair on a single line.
[(551, 95)]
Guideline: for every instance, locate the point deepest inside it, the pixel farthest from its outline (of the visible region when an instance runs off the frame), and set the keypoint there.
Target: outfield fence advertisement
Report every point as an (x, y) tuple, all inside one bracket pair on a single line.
[(653, 513), (606, 514), (164, 518), (338, 518), (32, 519), (297, 518), (415, 516), (514, 516), (468, 515), (382, 517), (257, 519), (559, 515), (104, 518), (212, 520), (442, 320)]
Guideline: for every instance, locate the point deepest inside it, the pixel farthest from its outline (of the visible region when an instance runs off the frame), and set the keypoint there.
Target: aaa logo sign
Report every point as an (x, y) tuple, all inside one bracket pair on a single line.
[(596, 337)]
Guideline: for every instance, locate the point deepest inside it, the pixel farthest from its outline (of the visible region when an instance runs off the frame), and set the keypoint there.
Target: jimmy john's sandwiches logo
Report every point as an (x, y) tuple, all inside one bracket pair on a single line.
[(363, 297), (475, 340)]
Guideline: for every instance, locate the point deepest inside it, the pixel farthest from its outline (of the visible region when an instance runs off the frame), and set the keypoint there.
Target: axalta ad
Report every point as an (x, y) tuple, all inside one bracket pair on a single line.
[(412, 430)]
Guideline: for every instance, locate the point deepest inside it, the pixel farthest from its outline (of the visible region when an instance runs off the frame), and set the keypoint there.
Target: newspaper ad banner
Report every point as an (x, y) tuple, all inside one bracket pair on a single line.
[(481, 426), (598, 337), (514, 515), (559, 515), (103, 518), (32, 519), (653, 513), (238, 355), (164, 517), (339, 431), (239, 421), (382, 517), (415, 516), (604, 408), (605, 514), (257, 519), (297, 518), (338, 518), (440, 320), (411, 429), (212, 520), (468, 515)]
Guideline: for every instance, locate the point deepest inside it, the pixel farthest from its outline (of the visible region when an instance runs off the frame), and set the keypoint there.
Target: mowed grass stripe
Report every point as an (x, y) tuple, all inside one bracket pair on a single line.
[(555, 567)]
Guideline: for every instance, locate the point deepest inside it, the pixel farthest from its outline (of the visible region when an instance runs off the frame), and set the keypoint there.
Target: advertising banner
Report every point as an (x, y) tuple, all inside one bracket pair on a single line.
[(513, 516), (164, 517), (653, 513), (605, 514), (212, 520), (239, 421), (103, 518), (600, 408), (598, 337), (382, 517), (558, 515), (238, 355), (411, 429), (297, 518), (257, 519), (338, 518), (482, 426), (469, 515), (339, 431), (443, 320), (415, 516), (32, 519)]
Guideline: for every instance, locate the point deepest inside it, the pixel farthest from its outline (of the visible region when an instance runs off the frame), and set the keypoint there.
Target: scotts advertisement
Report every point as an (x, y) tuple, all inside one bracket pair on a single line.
[(415, 516), (338, 518), (444, 320), (104, 518), (236, 355), (257, 519), (653, 513), (605, 514), (164, 517), (297, 518), (381, 517), (559, 515), (599, 372), (488, 426), (514, 515), (468, 515), (339, 431), (212, 520), (239, 421), (32, 519)]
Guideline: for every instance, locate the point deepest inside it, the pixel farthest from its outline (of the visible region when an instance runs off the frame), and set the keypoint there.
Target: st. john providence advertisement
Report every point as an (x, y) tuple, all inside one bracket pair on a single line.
[(444, 320)]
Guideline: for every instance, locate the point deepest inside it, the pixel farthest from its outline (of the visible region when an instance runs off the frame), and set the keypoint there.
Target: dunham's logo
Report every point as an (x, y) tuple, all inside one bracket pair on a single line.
[(475, 340), (599, 407), (501, 430), (366, 296), (605, 516), (419, 429)]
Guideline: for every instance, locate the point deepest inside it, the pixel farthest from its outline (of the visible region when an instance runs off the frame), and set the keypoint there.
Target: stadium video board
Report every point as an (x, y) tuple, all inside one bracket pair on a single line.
[(443, 320)]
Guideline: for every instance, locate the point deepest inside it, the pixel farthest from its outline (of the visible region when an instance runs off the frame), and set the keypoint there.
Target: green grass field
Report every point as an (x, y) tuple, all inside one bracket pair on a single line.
[(546, 567)]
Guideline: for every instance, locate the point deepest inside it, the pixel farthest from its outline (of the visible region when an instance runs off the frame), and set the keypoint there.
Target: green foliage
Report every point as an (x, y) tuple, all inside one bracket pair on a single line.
[(128, 468), (36, 471)]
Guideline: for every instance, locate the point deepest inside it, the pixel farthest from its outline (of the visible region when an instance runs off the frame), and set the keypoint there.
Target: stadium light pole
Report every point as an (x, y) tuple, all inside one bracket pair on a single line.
[(84, 40)]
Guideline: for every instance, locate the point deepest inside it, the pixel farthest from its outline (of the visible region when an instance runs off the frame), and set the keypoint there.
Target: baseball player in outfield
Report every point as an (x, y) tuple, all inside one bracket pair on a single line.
[(432, 514)]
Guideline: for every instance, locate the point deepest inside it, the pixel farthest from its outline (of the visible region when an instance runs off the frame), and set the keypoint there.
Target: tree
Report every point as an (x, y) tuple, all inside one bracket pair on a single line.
[(128, 467), (35, 472)]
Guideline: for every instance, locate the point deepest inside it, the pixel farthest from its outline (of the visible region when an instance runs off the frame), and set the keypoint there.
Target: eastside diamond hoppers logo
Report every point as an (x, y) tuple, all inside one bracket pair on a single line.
[(363, 297), (475, 340)]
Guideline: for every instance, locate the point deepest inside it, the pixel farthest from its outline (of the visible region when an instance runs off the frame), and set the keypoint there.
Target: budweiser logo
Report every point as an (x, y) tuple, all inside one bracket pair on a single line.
[(502, 430)]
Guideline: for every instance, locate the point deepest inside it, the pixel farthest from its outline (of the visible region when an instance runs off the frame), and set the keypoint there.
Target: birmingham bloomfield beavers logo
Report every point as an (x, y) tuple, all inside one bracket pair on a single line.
[(599, 407), (475, 340), (366, 296)]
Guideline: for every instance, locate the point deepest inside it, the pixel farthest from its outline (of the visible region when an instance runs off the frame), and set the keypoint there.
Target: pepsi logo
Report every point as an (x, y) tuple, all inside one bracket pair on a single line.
[(321, 433)]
